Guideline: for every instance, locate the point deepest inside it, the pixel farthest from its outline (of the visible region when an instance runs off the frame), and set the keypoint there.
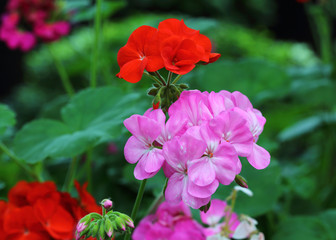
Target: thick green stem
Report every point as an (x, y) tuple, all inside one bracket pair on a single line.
[(62, 73), (70, 177), (19, 162), (97, 28), (137, 205), (176, 79)]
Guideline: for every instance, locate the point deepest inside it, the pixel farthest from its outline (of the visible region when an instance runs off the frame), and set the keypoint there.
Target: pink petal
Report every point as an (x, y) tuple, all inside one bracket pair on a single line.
[(153, 160), (201, 171), (259, 157), (215, 212), (140, 173), (134, 150), (201, 191), (241, 101), (143, 128), (174, 188)]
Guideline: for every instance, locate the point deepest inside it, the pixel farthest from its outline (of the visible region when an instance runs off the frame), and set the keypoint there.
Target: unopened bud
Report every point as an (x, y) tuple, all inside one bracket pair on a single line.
[(241, 181), (156, 101), (101, 231), (108, 227), (107, 204), (183, 86)]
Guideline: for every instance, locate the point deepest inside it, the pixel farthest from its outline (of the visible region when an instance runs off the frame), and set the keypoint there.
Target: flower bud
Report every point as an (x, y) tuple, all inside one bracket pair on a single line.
[(101, 230), (241, 181), (108, 227), (152, 91), (107, 204)]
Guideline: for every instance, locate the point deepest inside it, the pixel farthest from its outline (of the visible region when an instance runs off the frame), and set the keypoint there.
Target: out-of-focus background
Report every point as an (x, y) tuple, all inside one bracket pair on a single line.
[(280, 53)]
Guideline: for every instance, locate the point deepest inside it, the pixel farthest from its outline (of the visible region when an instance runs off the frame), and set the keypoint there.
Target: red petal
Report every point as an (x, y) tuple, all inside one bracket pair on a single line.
[(127, 54), (154, 63), (140, 37), (133, 70)]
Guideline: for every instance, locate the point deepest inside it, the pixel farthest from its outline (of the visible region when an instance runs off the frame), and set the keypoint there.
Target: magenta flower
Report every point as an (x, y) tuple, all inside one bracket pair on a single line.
[(170, 222), (218, 162), (15, 38), (49, 32), (231, 127), (179, 153), (215, 218), (139, 148)]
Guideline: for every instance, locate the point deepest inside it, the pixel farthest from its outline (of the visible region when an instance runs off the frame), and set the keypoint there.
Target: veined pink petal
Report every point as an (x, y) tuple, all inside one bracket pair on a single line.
[(134, 150), (259, 158), (175, 187), (153, 160), (143, 128)]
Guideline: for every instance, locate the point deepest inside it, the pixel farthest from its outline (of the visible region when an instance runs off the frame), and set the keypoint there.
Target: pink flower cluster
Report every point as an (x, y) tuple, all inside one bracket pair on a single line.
[(168, 223), (198, 146), (27, 20), (175, 222)]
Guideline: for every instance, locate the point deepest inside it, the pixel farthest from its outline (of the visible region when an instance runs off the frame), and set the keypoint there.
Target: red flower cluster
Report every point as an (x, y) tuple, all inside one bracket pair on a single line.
[(173, 46), (38, 211), (34, 15)]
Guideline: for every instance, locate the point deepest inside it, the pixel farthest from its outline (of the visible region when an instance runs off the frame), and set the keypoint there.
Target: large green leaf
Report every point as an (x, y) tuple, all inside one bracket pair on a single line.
[(91, 117), (265, 185), (7, 118), (321, 227), (258, 79)]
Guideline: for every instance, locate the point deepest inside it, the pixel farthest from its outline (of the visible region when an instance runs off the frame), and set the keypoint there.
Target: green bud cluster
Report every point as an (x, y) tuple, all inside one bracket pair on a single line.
[(104, 226), (166, 95)]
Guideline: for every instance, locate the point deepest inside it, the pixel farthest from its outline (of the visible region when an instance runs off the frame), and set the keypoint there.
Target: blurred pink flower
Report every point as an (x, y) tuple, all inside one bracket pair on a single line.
[(215, 218)]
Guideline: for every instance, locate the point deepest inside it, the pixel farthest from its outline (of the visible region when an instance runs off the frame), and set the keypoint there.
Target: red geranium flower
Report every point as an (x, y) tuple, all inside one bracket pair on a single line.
[(141, 52), (38, 211)]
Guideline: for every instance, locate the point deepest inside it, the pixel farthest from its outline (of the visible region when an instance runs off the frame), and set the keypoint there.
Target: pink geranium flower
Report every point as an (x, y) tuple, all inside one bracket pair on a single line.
[(139, 148), (170, 222), (218, 162), (179, 153)]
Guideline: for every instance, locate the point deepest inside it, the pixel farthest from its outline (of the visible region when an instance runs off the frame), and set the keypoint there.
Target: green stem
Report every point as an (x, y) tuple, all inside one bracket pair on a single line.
[(19, 162), (154, 78), (160, 78), (176, 79), (228, 216), (70, 177), (170, 75), (62, 73), (97, 27), (137, 205)]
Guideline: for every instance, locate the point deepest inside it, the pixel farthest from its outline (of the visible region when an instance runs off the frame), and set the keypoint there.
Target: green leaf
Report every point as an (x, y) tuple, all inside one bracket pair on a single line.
[(321, 227), (255, 78), (7, 118), (91, 117), (307, 125), (265, 185), (302, 228)]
